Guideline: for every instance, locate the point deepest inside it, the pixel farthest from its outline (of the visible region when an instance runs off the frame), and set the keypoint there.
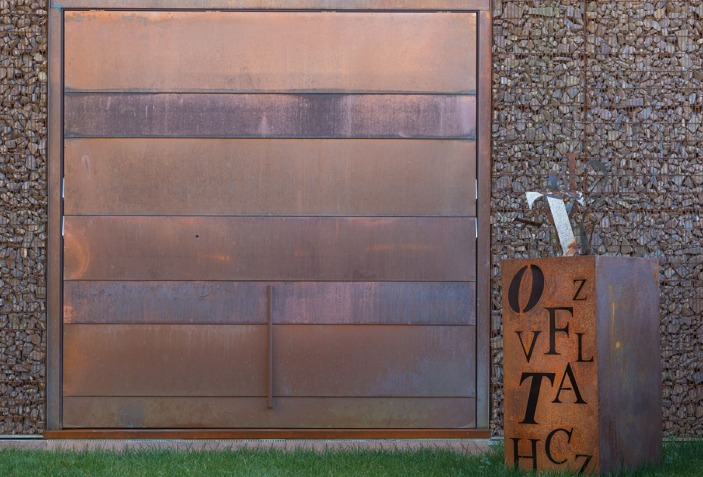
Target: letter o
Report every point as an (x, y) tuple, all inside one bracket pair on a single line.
[(535, 292)]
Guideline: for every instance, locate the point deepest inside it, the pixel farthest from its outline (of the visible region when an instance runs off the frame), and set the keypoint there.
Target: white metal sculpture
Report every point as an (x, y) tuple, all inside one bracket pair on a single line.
[(560, 217)]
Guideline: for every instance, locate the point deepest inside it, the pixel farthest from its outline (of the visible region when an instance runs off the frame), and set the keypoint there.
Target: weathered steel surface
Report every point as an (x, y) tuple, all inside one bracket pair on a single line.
[(230, 360), (428, 303), (629, 362), (532, 289), (164, 360), (409, 303), (269, 177), (269, 248), (251, 412), (151, 348), (399, 5), (100, 302), (353, 360), (270, 51), (581, 366), (269, 115)]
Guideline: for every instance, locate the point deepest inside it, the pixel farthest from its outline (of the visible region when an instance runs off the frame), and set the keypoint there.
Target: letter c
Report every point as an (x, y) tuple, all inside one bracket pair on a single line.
[(548, 444)]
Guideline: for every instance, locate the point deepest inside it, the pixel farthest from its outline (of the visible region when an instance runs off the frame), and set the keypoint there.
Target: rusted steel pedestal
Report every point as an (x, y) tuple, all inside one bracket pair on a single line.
[(582, 363)]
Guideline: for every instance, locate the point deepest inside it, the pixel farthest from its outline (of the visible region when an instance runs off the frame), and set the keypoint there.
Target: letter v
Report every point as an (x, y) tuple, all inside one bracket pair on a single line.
[(528, 354)]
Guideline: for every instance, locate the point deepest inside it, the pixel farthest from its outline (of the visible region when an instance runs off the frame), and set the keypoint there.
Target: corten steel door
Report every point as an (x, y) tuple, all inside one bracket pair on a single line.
[(269, 219)]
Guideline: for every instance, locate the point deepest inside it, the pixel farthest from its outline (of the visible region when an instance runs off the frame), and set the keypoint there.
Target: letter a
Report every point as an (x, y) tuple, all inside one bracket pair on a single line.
[(568, 372)]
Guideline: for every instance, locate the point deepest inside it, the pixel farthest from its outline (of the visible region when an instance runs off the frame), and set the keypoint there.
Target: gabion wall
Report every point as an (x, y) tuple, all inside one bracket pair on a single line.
[(619, 82), (616, 81), (23, 86)]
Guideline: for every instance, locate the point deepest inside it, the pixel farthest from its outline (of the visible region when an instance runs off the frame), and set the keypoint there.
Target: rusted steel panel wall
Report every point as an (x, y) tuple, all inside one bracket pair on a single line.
[(298, 204), (288, 412), (265, 52), (269, 177), (402, 303)]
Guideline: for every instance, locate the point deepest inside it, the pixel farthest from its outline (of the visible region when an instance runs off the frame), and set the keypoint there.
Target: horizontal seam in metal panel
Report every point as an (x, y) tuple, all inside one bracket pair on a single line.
[(113, 396), (470, 93), (266, 216), (288, 138), (397, 137), (263, 324), (260, 10), (259, 216), (307, 280), (274, 282)]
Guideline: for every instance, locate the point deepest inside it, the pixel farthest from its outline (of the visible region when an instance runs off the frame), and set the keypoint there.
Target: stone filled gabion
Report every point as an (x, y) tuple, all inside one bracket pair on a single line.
[(23, 201), (617, 81)]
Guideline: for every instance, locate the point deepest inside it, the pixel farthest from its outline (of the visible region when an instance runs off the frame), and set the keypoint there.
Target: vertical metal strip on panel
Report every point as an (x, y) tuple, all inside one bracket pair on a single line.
[(54, 240), (269, 358), (483, 249)]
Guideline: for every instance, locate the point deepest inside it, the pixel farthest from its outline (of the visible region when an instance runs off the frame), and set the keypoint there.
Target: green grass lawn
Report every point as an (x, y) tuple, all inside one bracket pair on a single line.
[(683, 459)]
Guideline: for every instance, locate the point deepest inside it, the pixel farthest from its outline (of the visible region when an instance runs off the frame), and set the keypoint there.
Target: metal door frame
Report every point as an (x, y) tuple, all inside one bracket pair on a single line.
[(54, 360)]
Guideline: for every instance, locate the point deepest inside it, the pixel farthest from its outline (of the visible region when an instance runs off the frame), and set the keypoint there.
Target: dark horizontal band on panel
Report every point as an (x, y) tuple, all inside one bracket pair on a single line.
[(269, 248), (349, 360), (269, 115), (313, 177), (401, 303), (270, 51), (238, 412)]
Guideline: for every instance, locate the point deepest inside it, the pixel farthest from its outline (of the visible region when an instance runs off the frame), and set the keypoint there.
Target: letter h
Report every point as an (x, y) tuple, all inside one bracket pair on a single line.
[(517, 456)]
